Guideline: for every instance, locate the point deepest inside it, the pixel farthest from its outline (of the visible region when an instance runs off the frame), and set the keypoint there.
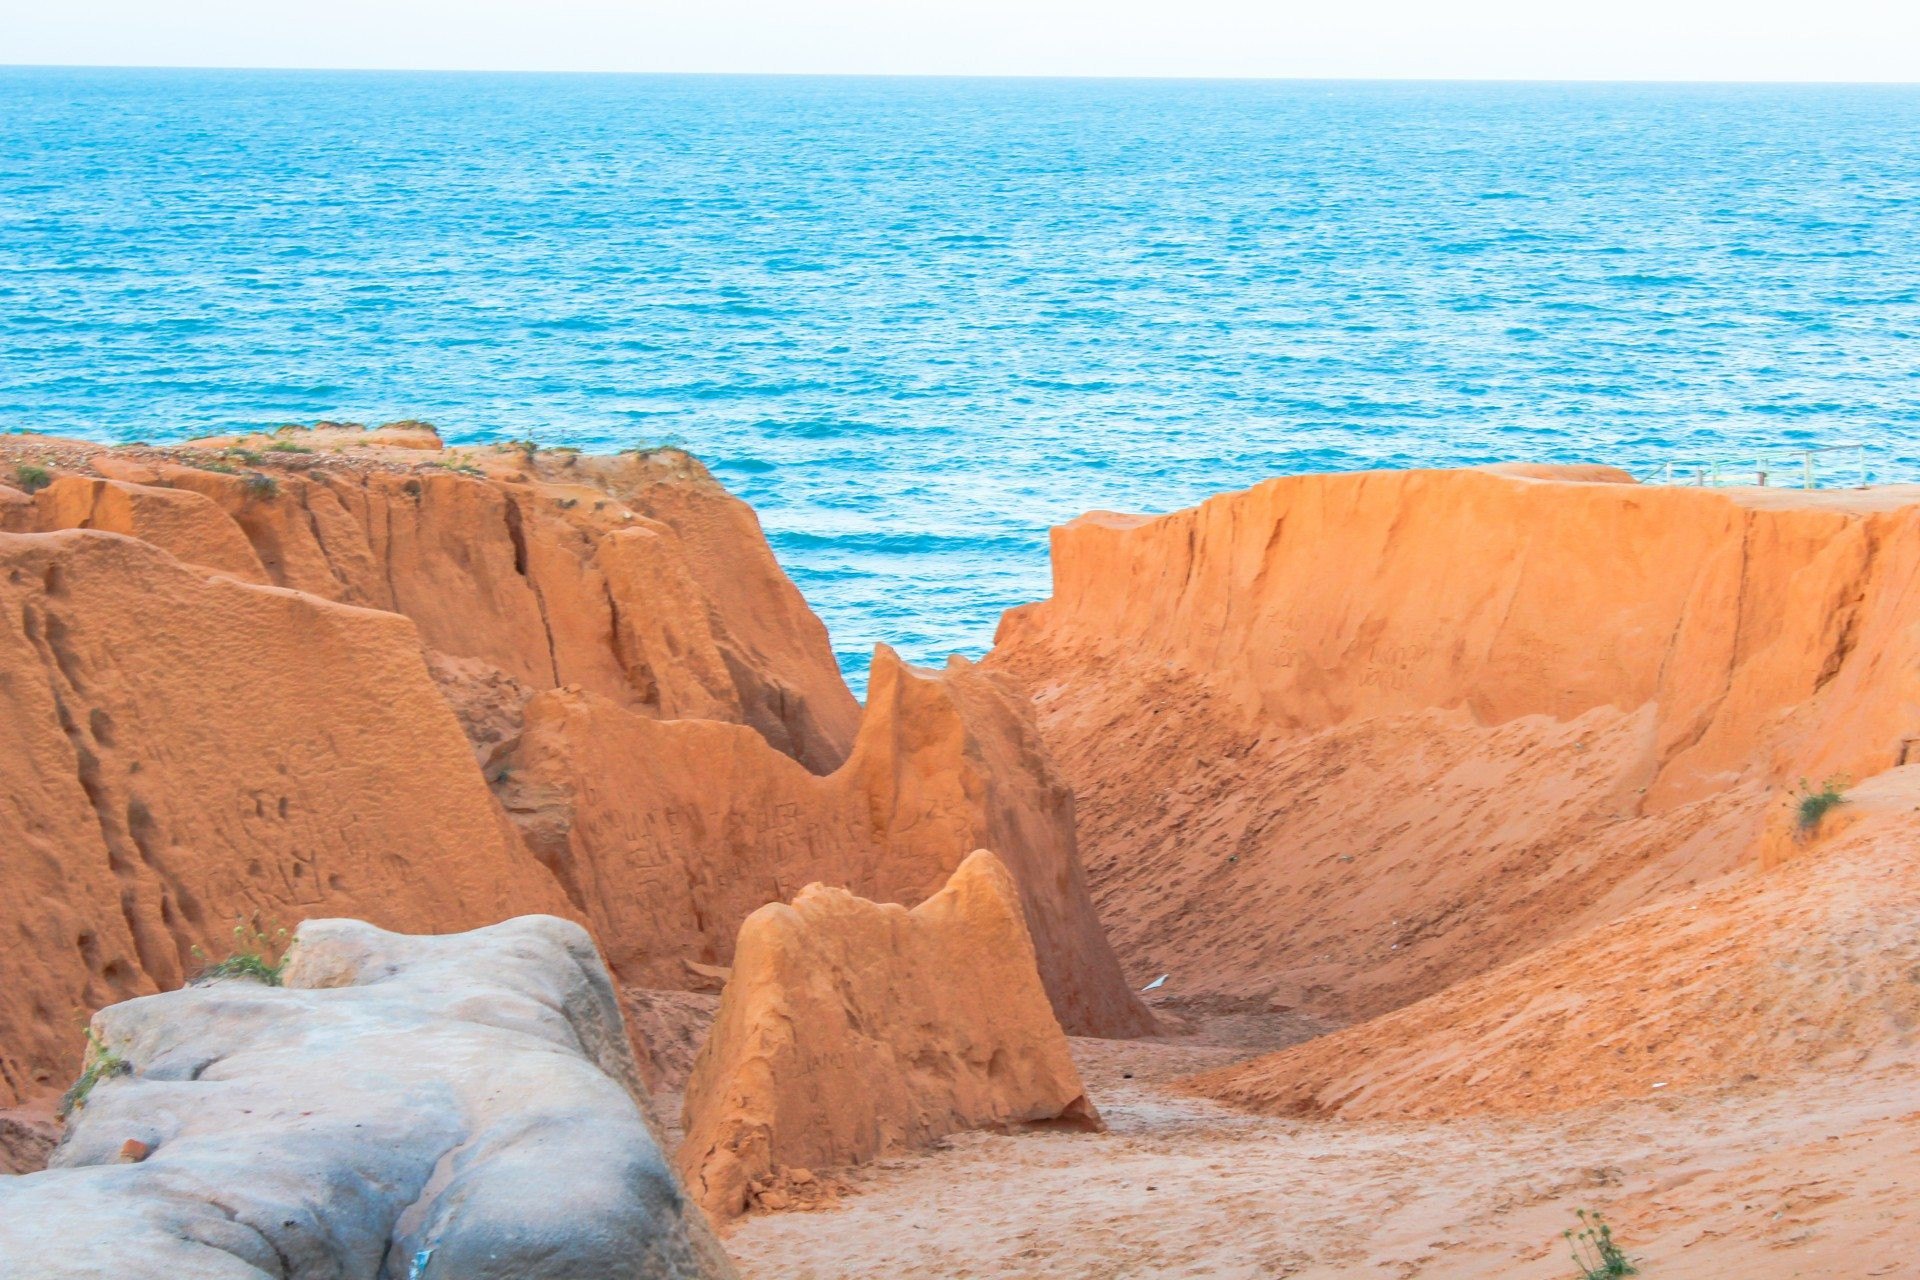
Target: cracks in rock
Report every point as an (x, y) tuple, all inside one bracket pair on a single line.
[(517, 533)]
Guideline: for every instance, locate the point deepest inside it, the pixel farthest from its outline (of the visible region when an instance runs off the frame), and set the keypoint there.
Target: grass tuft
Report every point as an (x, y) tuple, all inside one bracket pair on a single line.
[(32, 478), (287, 446), (259, 484), (1813, 805), (101, 1064), (1594, 1251), (257, 955)]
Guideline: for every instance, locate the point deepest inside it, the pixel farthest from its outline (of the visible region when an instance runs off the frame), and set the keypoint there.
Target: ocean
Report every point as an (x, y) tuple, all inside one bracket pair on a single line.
[(914, 322)]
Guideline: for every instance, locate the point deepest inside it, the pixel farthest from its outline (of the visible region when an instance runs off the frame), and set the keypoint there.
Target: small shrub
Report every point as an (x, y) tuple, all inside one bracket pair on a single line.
[(409, 424), (101, 1063), (1813, 805), (287, 446), (256, 955), (246, 456), (259, 484), (529, 446), (222, 467), (1594, 1251), (32, 478)]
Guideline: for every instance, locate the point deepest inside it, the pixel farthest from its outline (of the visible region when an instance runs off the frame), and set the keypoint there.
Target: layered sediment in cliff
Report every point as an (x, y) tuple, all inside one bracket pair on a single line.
[(668, 834), (1341, 741), (850, 1029), (383, 1114)]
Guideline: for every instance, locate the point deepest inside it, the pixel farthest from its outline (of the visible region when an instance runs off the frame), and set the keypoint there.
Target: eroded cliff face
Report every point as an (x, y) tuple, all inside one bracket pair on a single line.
[(236, 674), (1340, 741), (271, 678), (1810, 964), (668, 834), (183, 749), (635, 576), (851, 1028)]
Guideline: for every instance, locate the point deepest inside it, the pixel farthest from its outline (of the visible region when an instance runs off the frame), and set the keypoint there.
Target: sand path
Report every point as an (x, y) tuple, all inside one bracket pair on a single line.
[(1789, 1178)]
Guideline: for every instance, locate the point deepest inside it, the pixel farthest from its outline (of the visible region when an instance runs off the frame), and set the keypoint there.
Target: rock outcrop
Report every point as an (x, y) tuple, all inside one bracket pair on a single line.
[(635, 576), (851, 1028), (1341, 741), (668, 834), (190, 526), (422, 1107), (184, 748)]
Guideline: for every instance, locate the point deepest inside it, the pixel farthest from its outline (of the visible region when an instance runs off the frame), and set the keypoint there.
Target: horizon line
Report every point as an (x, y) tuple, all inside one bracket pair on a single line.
[(1165, 77)]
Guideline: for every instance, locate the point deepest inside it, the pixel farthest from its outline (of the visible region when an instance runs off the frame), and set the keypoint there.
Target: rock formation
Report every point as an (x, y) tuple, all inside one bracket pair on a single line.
[(422, 1107), (1760, 974), (185, 748), (1341, 741), (851, 1028), (635, 576), (231, 666), (668, 834)]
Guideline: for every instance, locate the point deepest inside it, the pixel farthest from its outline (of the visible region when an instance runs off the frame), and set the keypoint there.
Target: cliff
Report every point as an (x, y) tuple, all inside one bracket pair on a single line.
[(850, 1029), (382, 1114), (668, 834), (1340, 741), (635, 576), (268, 678), (185, 749)]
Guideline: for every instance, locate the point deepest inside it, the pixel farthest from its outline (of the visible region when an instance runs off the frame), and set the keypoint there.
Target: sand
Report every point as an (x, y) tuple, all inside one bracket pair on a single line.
[(1801, 1177)]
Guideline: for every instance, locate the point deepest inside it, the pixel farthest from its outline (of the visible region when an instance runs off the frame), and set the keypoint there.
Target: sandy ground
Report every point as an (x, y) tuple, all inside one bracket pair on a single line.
[(1810, 1176)]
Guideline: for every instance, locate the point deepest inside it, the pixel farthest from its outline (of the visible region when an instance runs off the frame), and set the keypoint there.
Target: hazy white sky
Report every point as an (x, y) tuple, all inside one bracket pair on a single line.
[(1500, 39)]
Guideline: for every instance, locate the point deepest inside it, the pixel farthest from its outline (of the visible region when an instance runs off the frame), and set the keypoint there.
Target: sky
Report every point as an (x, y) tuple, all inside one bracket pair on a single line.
[(1854, 40)]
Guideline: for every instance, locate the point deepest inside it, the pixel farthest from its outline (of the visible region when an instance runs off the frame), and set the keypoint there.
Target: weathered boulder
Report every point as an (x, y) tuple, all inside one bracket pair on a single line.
[(851, 1028), (181, 749), (462, 1106), (668, 833)]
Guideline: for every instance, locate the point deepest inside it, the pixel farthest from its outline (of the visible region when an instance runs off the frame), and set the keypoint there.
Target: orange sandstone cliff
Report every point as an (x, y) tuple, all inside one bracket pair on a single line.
[(668, 834), (635, 576), (1342, 741), (237, 674), (850, 1029), (184, 748)]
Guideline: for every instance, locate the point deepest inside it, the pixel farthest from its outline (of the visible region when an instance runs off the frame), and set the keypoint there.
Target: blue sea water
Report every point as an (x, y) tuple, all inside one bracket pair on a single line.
[(915, 322)]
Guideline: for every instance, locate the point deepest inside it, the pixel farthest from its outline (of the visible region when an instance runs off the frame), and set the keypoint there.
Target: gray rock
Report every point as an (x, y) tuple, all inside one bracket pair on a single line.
[(460, 1107)]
